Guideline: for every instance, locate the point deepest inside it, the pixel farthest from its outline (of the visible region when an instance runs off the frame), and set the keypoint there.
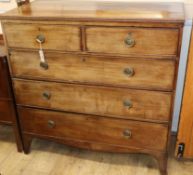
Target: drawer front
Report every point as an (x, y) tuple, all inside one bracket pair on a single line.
[(91, 128), (57, 37), (132, 41), (114, 102), (140, 73), (6, 110)]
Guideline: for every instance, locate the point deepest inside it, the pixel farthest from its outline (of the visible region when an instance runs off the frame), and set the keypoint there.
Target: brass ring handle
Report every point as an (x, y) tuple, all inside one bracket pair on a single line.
[(51, 124), (46, 95), (40, 39), (128, 104), (129, 41), (127, 134), (44, 65), (129, 72)]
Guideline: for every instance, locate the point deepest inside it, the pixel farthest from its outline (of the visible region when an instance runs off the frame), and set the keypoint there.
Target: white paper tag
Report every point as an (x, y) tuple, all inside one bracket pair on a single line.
[(42, 57)]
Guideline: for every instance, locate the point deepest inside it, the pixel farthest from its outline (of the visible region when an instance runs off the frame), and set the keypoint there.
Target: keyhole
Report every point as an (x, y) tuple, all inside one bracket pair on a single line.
[(40, 39)]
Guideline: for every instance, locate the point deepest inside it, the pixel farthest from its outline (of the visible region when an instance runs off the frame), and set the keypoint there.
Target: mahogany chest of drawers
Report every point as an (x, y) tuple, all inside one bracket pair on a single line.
[(107, 78), (7, 107), (5, 94)]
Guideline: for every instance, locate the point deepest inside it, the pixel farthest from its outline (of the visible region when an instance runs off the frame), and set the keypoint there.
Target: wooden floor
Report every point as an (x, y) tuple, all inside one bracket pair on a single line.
[(48, 158)]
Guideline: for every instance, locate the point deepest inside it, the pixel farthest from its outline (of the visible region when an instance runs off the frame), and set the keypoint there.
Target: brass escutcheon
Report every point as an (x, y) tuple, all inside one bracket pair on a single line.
[(40, 39), (51, 124), (129, 41), (128, 104), (129, 72), (127, 133), (46, 95)]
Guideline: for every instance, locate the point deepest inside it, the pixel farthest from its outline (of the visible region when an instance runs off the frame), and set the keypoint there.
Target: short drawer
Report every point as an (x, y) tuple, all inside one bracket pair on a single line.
[(115, 102), (139, 73), (132, 41), (6, 111), (91, 128), (56, 37)]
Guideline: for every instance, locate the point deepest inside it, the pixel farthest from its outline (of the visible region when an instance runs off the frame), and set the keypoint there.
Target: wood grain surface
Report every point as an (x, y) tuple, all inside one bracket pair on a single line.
[(109, 71), (6, 111), (58, 37), (94, 100), (147, 41), (95, 129)]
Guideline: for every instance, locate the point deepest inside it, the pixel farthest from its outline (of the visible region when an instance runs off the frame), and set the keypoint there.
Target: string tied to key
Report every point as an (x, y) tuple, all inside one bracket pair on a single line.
[(41, 39)]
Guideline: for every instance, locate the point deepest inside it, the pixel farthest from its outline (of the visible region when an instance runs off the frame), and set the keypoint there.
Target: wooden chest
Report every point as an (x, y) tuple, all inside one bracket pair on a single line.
[(7, 107), (108, 79), (6, 104)]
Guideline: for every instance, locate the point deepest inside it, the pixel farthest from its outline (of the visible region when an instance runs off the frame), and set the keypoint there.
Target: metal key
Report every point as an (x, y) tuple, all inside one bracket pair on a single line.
[(41, 39)]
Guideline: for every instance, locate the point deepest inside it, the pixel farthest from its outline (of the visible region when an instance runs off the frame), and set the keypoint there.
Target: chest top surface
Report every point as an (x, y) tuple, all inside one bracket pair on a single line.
[(96, 10)]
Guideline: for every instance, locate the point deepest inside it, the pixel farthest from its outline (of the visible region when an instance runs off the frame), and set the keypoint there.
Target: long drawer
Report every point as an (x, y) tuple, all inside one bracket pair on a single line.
[(132, 40), (96, 129), (139, 73), (115, 102), (54, 37)]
